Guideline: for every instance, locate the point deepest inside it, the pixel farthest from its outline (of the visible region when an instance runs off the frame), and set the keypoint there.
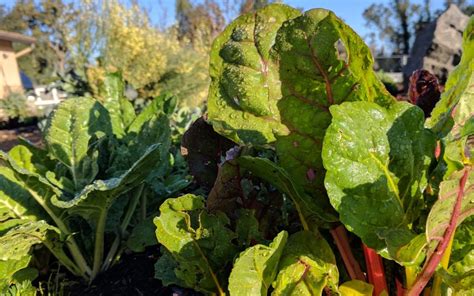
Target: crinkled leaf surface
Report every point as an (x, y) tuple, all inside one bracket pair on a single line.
[(322, 62), (37, 162), (20, 289), (120, 109), (256, 268), (315, 61), (97, 197), (6, 225), (376, 161), (306, 266), (17, 242), (154, 131), (69, 130), (32, 186), (245, 87), (200, 243)]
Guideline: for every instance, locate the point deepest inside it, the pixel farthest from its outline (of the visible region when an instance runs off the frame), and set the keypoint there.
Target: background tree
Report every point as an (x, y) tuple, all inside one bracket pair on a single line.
[(86, 38), (49, 21), (151, 59), (395, 22), (252, 5), (199, 23), (398, 21), (79, 41)]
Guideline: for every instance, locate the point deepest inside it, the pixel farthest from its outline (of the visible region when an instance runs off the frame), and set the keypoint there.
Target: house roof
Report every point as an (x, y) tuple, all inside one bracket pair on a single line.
[(16, 37)]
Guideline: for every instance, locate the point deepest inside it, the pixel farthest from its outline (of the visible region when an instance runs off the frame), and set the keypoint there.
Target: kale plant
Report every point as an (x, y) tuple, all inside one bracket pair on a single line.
[(79, 195)]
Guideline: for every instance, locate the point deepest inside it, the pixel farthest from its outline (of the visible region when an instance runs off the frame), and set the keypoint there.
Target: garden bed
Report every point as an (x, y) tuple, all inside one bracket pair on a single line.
[(305, 177), (9, 137)]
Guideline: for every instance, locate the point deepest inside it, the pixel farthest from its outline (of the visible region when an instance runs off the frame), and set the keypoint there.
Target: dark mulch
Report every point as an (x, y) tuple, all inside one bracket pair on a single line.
[(133, 275)]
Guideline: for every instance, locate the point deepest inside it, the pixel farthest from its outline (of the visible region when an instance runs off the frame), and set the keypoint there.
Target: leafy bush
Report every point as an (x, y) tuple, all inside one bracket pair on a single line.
[(154, 61), (347, 153), (15, 106), (79, 196)]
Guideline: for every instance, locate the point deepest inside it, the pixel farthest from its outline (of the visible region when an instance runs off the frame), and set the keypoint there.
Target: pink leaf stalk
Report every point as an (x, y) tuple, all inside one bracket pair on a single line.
[(433, 261), (342, 242)]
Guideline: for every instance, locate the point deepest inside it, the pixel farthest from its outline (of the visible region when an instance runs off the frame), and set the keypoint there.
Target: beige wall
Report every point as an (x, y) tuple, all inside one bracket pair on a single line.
[(9, 73)]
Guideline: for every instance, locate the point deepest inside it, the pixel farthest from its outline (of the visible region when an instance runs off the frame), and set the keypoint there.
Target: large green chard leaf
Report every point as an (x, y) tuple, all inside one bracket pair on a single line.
[(200, 243), (262, 94), (322, 62), (68, 133), (120, 109), (306, 267), (256, 268), (150, 127), (37, 162), (245, 87), (376, 161)]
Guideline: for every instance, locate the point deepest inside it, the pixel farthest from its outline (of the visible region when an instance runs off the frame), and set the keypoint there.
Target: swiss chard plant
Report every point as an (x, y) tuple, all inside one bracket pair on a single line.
[(344, 155), (93, 180)]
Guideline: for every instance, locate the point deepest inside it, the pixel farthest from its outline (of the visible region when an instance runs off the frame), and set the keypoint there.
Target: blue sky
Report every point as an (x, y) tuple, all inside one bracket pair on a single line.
[(349, 10)]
